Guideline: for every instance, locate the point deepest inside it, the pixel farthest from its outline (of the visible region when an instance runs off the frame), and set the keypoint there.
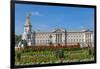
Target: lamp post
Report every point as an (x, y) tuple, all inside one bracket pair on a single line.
[(65, 37), (50, 39)]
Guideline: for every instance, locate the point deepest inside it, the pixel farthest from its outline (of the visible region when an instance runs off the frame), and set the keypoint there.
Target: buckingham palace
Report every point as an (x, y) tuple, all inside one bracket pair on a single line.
[(58, 36)]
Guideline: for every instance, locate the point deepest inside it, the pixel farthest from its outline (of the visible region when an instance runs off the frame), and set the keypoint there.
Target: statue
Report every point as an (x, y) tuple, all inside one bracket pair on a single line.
[(28, 19), (28, 15)]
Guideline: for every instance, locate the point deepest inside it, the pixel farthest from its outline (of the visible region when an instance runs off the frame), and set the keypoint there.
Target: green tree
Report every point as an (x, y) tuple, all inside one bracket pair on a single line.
[(91, 51), (50, 41), (17, 38), (60, 54), (18, 56)]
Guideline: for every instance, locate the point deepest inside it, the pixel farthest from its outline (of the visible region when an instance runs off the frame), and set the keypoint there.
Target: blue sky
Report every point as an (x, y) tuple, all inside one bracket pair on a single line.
[(47, 18)]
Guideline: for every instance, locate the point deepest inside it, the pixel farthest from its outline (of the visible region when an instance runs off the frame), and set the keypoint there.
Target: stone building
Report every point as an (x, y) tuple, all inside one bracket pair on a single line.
[(57, 36)]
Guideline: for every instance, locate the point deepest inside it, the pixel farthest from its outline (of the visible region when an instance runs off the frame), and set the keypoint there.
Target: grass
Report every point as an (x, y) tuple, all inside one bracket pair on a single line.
[(48, 56)]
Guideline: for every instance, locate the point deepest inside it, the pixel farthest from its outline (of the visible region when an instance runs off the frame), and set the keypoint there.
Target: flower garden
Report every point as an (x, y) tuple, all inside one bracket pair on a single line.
[(52, 54)]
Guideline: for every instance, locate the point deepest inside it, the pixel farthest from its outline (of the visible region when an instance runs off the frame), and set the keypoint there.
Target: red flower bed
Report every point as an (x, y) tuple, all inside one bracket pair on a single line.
[(41, 47)]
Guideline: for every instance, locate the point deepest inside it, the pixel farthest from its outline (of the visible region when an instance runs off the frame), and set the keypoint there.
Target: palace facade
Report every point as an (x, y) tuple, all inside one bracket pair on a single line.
[(57, 36)]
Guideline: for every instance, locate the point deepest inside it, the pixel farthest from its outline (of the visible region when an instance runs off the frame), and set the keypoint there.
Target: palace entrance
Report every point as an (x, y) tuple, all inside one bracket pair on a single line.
[(59, 39)]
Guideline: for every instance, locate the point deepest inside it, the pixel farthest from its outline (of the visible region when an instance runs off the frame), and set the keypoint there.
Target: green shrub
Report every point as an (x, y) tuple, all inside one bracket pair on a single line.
[(18, 56), (60, 54)]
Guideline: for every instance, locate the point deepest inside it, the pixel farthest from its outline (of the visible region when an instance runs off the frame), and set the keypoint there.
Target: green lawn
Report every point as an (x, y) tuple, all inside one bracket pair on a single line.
[(29, 56)]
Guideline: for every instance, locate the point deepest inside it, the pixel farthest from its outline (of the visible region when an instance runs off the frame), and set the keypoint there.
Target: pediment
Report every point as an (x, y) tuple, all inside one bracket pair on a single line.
[(58, 30)]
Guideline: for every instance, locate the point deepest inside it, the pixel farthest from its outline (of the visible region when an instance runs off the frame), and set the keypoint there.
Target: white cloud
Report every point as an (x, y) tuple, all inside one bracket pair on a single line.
[(82, 27), (36, 13)]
